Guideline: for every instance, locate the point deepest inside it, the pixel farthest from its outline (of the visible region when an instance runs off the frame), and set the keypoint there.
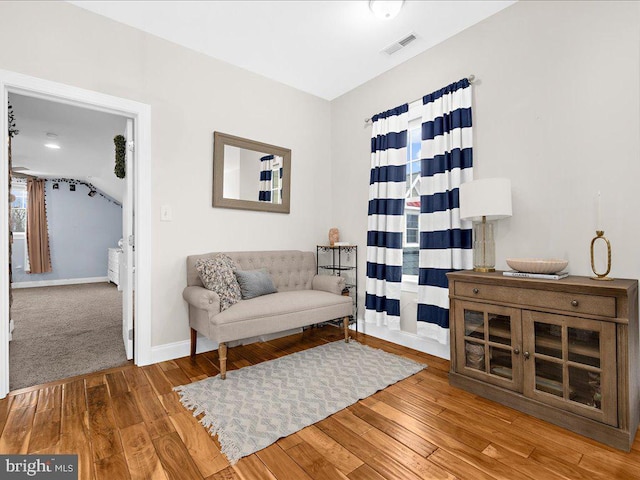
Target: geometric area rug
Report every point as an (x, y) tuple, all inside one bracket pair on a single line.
[(257, 405)]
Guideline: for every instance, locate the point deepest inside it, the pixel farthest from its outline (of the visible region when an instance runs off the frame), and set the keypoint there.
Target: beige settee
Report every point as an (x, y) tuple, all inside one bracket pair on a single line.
[(303, 298)]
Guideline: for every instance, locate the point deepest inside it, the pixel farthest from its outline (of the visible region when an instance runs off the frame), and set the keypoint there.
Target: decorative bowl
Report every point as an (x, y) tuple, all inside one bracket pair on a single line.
[(537, 265)]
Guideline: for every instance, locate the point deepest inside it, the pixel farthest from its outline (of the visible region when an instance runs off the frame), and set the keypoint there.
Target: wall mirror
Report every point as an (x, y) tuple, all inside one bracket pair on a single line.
[(250, 175)]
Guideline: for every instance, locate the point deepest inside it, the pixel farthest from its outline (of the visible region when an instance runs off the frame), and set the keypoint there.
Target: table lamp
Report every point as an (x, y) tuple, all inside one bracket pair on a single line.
[(482, 202)]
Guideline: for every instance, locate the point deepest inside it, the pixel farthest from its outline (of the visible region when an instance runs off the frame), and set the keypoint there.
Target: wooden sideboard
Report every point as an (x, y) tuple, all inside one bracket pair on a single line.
[(565, 351)]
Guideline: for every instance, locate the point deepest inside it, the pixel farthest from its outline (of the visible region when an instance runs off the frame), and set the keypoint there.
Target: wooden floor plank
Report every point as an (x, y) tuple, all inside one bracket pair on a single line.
[(46, 430), (199, 443), (155, 416), (157, 379), (331, 450), (175, 458), (102, 425), (74, 399), (49, 398), (126, 410), (75, 439), (280, 464), (142, 460), (377, 459), (313, 463), (251, 468), (458, 467), (129, 423), (401, 434), (365, 472), (227, 474), (117, 384), (112, 467), (17, 430)]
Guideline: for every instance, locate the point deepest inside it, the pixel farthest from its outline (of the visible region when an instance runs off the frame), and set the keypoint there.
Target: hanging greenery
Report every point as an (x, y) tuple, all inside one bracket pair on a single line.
[(11, 121), (121, 145)]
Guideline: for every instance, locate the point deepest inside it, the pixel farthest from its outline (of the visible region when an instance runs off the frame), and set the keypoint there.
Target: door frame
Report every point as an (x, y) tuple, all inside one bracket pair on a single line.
[(12, 82)]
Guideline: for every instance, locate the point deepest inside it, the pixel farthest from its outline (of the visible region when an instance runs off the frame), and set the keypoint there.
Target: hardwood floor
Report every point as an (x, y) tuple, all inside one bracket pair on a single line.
[(127, 423)]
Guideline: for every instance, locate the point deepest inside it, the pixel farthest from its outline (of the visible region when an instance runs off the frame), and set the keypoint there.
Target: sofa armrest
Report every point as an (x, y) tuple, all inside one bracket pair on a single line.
[(328, 283), (202, 298)]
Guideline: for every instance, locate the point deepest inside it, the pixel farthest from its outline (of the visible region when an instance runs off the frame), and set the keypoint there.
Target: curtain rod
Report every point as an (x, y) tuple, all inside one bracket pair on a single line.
[(471, 79)]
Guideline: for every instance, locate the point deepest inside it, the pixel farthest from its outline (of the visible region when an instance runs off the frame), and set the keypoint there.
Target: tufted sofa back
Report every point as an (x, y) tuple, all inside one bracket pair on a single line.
[(290, 269)]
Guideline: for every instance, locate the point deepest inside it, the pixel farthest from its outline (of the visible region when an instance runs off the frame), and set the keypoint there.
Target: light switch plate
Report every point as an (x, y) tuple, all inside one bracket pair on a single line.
[(166, 215)]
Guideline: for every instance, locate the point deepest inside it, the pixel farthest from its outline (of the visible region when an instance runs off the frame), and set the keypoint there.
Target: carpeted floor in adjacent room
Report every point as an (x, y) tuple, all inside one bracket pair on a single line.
[(64, 331)]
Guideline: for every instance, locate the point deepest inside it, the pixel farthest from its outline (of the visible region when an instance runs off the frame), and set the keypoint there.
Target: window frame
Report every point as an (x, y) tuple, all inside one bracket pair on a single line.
[(15, 185), (410, 282)]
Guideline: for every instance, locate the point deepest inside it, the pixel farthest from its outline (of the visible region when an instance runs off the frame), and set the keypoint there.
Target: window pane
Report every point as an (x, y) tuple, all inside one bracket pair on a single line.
[(415, 143), (499, 328), (584, 387), (500, 362), (410, 260), (474, 324), (412, 235), (21, 198), (549, 377), (19, 220), (584, 346), (548, 339), (474, 355)]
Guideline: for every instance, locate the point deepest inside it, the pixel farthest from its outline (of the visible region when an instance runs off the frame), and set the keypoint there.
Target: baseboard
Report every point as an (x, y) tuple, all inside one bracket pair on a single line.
[(169, 351), (63, 281), (409, 340)]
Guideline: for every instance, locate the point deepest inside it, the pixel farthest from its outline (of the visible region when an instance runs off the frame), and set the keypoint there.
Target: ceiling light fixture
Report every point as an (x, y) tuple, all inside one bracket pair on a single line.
[(385, 9), (52, 145)]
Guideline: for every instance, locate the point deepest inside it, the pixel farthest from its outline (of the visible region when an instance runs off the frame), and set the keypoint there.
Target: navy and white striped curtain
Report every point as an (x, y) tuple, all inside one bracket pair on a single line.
[(387, 186), (264, 190), (445, 240)]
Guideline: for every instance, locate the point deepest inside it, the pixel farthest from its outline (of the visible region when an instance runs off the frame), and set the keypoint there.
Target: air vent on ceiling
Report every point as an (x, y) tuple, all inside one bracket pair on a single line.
[(399, 44)]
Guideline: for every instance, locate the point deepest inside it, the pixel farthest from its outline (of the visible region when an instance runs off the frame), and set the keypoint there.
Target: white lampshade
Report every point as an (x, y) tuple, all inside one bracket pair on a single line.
[(489, 197)]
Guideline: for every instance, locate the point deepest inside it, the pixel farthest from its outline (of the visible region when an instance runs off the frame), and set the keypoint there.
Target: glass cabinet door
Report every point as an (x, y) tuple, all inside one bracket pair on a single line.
[(488, 343), (570, 362)]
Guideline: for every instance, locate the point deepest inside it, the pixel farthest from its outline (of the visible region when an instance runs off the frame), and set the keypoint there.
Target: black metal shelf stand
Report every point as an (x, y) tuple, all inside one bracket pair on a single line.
[(343, 263)]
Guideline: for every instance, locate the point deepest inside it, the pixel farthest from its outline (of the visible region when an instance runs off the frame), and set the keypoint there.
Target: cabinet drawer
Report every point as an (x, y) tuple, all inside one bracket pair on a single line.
[(569, 302)]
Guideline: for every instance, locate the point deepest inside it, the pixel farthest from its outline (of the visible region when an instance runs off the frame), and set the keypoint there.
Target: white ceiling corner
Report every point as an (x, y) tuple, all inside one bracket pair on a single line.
[(325, 48)]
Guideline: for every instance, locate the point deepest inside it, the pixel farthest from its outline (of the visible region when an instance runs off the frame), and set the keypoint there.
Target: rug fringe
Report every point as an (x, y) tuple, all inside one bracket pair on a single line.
[(209, 421)]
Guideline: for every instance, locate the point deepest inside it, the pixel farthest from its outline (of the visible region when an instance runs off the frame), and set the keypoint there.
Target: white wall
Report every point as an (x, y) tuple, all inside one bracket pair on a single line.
[(190, 96), (556, 110)]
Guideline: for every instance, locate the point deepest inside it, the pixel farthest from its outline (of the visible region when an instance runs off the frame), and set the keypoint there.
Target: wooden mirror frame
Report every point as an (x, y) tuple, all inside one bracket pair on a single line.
[(220, 140)]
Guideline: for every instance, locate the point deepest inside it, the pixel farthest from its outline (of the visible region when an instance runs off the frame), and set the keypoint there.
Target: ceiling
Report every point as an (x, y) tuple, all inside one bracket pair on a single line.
[(325, 48), (85, 136)]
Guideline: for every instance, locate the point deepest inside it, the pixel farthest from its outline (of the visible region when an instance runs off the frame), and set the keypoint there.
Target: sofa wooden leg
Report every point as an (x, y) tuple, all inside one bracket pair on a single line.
[(345, 324), (194, 341), (222, 353)]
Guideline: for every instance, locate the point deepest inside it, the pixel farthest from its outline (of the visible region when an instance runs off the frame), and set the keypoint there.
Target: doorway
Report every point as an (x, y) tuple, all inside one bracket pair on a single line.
[(139, 162), (69, 316)]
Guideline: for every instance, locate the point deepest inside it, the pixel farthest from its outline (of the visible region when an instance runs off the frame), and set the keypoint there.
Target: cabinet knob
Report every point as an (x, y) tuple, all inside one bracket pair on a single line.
[(526, 355), (574, 303), (475, 290), (516, 351)]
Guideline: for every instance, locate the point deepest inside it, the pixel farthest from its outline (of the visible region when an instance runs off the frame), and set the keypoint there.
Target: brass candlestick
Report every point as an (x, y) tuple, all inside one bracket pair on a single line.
[(601, 276)]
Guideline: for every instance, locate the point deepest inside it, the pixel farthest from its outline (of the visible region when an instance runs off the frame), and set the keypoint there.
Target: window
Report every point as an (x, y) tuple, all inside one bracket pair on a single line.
[(19, 209), (411, 240), (276, 183)]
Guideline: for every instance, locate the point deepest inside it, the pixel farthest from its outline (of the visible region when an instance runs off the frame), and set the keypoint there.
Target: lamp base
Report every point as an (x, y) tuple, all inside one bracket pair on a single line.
[(483, 269), (602, 278)]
